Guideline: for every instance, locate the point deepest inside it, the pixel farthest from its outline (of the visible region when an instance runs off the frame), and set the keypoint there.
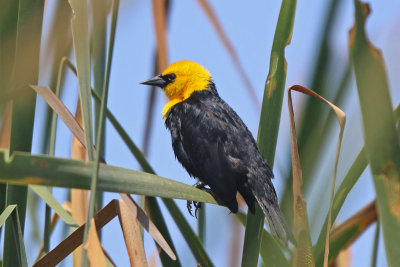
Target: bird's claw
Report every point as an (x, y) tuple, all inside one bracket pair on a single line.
[(197, 206)]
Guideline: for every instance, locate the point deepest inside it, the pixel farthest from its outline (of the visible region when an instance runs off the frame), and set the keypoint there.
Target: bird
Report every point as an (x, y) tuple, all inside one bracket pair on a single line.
[(214, 145)]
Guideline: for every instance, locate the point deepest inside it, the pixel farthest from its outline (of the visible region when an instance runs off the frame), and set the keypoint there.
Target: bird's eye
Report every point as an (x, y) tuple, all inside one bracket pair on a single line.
[(169, 77)]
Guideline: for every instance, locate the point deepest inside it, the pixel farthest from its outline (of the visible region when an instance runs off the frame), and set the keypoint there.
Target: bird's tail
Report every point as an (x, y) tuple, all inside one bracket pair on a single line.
[(268, 201)]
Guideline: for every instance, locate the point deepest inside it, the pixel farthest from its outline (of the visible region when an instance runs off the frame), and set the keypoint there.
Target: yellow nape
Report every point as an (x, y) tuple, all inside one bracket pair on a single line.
[(190, 77)]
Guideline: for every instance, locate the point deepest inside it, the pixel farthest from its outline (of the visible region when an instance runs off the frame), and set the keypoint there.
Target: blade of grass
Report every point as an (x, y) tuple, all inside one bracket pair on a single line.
[(27, 48), (99, 13), (204, 4), (269, 121), (59, 45), (80, 33), (80, 37), (47, 197), (99, 53), (23, 169), (381, 140), (102, 119), (20, 256), (374, 257), (52, 134)]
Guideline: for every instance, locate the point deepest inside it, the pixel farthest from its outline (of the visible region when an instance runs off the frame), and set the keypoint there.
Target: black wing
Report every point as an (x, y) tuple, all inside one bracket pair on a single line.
[(213, 144)]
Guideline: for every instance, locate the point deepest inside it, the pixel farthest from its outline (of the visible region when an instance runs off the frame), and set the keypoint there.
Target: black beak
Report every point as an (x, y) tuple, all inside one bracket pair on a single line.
[(156, 81)]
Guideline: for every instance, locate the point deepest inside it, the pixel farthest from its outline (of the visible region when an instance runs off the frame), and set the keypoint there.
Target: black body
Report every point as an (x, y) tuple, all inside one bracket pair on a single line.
[(214, 145)]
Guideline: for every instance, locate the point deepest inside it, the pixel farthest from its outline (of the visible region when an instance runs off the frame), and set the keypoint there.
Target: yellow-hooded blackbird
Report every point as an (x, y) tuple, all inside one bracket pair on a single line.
[(214, 145)]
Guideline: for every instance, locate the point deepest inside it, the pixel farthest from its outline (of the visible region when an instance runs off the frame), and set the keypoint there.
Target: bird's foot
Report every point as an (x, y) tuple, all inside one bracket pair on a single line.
[(200, 185), (197, 206)]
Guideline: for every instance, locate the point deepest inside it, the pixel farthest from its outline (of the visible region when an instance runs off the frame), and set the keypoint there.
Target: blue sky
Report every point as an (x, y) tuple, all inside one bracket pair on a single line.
[(250, 28)]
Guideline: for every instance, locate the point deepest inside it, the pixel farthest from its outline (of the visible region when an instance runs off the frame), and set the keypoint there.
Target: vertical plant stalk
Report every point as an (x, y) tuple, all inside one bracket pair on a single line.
[(25, 71), (99, 55), (80, 33), (381, 139), (102, 119), (269, 121), (376, 245)]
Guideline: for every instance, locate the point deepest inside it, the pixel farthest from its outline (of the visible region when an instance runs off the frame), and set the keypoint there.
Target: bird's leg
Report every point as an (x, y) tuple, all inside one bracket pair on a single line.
[(200, 185)]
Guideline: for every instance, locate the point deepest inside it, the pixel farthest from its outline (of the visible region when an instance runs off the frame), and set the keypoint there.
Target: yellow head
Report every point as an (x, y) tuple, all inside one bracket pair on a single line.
[(180, 80)]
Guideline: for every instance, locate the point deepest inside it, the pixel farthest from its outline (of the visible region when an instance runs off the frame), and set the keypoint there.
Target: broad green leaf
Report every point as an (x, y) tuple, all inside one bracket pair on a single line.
[(381, 141), (269, 121), (23, 169)]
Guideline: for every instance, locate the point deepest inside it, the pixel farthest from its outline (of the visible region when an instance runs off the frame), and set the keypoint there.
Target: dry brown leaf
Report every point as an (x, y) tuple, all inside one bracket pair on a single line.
[(148, 225), (301, 219), (62, 111), (79, 197), (303, 252), (160, 26), (231, 51), (94, 249), (132, 235), (75, 239)]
